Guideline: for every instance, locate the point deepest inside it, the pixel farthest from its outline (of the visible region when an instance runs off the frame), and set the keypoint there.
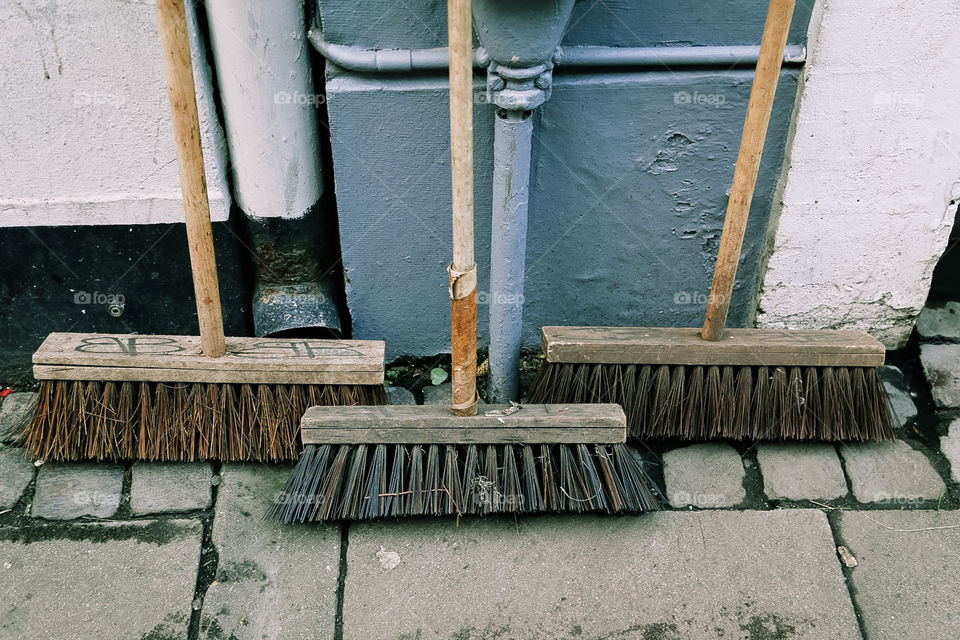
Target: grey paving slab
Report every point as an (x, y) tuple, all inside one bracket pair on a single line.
[(801, 471), (71, 490), (891, 473), (170, 487), (950, 446), (901, 401), (399, 395), (273, 582), (16, 472), (704, 475), (439, 394), (13, 412), (940, 322), (905, 579), (667, 576), (941, 365), (102, 580)]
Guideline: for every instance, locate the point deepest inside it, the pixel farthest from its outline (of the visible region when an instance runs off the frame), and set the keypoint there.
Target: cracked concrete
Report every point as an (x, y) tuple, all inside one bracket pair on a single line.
[(96, 586)]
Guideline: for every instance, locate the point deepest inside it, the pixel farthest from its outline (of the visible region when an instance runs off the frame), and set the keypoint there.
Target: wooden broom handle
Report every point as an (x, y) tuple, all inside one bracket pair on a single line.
[(764, 87), (172, 23), (463, 270)]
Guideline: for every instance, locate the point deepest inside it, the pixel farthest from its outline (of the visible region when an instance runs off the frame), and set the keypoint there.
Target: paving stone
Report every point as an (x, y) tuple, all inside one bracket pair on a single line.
[(103, 580), (904, 408), (16, 472), (704, 475), (941, 365), (666, 575), (170, 487), (13, 412), (801, 471), (68, 491), (273, 581), (439, 394), (905, 581), (950, 446), (399, 395), (890, 473), (940, 322)]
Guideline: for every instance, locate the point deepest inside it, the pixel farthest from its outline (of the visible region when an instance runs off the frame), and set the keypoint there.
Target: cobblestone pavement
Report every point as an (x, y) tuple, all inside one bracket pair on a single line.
[(747, 547)]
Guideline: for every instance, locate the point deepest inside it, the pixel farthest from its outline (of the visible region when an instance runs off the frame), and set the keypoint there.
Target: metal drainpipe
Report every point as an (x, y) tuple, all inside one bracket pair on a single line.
[(519, 45), (512, 142), (269, 103)]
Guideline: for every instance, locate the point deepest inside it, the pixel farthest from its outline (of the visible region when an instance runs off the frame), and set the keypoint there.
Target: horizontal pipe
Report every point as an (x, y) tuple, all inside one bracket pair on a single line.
[(404, 60), (672, 56), (379, 60)]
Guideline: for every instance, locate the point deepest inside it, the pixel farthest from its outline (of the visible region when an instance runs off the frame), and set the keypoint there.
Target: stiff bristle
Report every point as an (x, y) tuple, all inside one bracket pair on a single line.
[(460, 480), (742, 403), (177, 422)]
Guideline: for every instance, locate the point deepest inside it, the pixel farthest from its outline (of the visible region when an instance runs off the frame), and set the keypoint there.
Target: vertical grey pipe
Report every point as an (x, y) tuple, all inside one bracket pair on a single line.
[(519, 46), (513, 134)]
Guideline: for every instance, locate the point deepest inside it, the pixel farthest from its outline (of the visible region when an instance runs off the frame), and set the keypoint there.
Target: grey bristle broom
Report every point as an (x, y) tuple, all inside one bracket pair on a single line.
[(114, 397), (716, 382), (371, 462)]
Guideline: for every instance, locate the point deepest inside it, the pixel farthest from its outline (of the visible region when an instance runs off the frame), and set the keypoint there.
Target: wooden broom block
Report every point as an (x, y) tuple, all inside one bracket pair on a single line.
[(739, 347), (435, 424), (152, 358)]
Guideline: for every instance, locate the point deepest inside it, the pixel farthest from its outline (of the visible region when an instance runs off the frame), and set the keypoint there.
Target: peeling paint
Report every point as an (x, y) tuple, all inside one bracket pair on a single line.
[(668, 159)]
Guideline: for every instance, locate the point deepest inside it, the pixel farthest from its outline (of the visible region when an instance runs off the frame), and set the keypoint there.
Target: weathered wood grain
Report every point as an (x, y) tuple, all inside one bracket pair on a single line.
[(739, 347), (411, 424), (175, 45), (211, 376), (89, 356), (775, 31)]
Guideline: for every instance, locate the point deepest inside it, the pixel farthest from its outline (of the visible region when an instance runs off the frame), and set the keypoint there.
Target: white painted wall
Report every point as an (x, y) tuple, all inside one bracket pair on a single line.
[(874, 169), (85, 133)]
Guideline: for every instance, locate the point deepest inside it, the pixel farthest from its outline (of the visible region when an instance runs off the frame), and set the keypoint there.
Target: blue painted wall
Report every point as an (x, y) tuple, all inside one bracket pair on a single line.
[(385, 24), (629, 181)]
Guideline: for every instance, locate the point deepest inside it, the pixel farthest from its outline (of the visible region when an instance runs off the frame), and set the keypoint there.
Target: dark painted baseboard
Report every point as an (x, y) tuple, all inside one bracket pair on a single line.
[(64, 279)]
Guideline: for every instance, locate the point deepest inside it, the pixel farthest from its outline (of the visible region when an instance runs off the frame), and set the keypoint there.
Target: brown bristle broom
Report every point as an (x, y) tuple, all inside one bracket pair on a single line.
[(371, 462), (731, 383), (142, 397)]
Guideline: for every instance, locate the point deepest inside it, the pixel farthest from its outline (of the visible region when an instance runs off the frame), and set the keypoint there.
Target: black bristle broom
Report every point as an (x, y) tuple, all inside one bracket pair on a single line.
[(733, 383), (142, 397), (372, 462)]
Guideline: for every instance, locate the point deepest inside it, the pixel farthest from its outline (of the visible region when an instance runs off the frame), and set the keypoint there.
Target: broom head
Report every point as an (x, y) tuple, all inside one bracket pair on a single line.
[(372, 462), (142, 397), (753, 384)]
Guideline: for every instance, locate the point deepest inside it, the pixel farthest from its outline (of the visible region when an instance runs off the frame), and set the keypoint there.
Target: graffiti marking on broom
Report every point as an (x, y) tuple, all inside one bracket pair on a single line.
[(129, 345), (296, 349)]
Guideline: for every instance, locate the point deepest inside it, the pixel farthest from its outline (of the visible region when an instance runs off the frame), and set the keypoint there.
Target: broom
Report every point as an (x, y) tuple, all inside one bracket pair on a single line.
[(736, 383), (114, 397), (371, 462)]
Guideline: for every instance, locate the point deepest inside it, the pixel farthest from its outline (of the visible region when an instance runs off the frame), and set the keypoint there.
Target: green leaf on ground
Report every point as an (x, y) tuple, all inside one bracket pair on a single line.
[(437, 376)]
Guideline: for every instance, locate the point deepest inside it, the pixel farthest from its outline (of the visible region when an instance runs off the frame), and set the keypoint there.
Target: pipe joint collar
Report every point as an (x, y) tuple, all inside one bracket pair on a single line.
[(518, 88)]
